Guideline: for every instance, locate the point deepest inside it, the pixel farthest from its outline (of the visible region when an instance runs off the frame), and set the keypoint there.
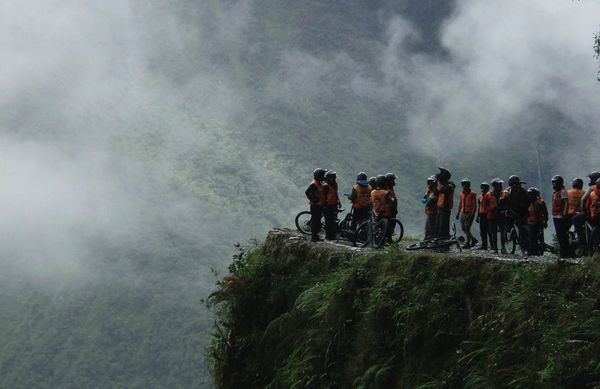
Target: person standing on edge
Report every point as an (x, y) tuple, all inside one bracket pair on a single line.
[(361, 199), (381, 200), (430, 202), (537, 219), (518, 205), (559, 214), (467, 205), (493, 202), (332, 203), (314, 193), (445, 201), (579, 219), (574, 197), (482, 216), (390, 180)]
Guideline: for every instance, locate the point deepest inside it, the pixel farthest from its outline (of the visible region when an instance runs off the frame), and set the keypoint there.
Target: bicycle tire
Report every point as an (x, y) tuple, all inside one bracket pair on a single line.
[(380, 233), (303, 223), (361, 236), (398, 233)]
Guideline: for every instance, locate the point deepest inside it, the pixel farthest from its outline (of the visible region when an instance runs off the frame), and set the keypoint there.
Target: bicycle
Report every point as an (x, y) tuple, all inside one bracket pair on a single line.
[(438, 243), (371, 232), (302, 222)]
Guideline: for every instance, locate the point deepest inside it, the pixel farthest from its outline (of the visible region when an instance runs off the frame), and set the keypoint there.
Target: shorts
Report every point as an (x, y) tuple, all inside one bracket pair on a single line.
[(466, 220)]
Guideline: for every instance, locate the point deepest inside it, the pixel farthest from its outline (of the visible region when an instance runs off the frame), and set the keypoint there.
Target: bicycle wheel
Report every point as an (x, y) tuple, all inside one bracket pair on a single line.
[(398, 231), (379, 233), (361, 236), (303, 222)]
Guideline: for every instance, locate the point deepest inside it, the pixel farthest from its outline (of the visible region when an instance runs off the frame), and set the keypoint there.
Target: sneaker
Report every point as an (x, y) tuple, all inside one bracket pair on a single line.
[(466, 246), (503, 250), (474, 242)]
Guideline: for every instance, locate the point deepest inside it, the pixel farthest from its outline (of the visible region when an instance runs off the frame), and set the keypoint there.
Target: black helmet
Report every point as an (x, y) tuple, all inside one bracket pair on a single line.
[(497, 181), (431, 179), (514, 180), (593, 177), (534, 190), (330, 174), (319, 174), (390, 176), (558, 179), (484, 185), (577, 183), (466, 181), (444, 173), (373, 182), (381, 181)]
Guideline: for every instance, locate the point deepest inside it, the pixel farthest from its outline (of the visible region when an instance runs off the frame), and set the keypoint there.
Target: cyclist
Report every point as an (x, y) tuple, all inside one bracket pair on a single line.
[(574, 197), (482, 216), (430, 201), (361, 199), (518, 205), (390, 179), (579, 218), (332, 203), (314, 193), (537, 219), (467, 205), (373, 182), (445, 201), (559, 213), (593, 204), (381, 199), (494, 203)]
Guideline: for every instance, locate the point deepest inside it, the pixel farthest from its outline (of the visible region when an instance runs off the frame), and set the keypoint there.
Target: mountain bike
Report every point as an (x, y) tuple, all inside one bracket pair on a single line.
[(303, 222), (438, 243), (371, 233), (592, 234)]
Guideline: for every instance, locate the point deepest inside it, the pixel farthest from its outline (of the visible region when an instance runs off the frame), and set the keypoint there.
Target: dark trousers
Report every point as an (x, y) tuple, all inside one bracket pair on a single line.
[(443, 223), (430, 231), (497, 226), (359, 215), (562, 235), (483, 228), (330, 214), (316, 212), (534, 232), (578, 221)]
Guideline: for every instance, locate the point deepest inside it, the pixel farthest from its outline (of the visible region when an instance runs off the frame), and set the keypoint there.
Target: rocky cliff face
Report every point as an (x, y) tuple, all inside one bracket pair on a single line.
[(297, 314)]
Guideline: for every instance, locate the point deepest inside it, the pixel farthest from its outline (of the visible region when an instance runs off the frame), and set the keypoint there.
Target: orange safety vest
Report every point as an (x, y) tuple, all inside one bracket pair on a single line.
[(318, 193), (557, 203), (574, 199), (442, 201), (379, 199), (363, 196), (491, 206), (482, 209), (331, 198), (466, 203), (593, 204), (534, 213), (431, 208)]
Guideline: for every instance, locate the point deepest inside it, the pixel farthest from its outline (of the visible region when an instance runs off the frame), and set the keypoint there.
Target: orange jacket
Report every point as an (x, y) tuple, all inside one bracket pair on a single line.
[(557, 203), (430, 209), (381, 202), (574, 197), (331, 195), (593, 204), (534, 213), (467, 202), (482, 209), (318, 192), (493, 204), (446, 200), (363, 196)]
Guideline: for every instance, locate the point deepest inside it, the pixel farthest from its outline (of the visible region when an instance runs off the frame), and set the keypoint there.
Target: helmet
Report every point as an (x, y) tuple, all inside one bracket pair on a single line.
[(466, 181), (319, 174), (484, 185), (558, 179), (361, 179), (577, 183), (373, 182), (497, 181), (515, 180), (444, 173), (534, 190), (593, 177), (390, 178), (381, 181), (330, 174), (431, 179)]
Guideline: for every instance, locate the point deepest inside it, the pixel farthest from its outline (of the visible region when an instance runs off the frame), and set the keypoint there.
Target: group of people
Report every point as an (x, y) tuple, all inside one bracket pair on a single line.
[(374, 196), (493, 208)]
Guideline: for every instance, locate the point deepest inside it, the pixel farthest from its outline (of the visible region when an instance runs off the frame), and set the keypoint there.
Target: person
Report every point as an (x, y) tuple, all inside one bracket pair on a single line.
[(445, 201), (467, 205), (430, 201), (494, 203), (373, 182), (390, 180), (332, 203), (314, 193), (593, 204), (518, 205), (482, 216), (574, 196), (579, 218), (360, 197), (537, 220), (559, 213), (381, 199)]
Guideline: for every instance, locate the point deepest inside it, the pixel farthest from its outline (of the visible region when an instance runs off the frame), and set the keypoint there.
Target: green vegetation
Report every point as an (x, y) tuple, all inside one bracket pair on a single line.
[(295, 315)]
